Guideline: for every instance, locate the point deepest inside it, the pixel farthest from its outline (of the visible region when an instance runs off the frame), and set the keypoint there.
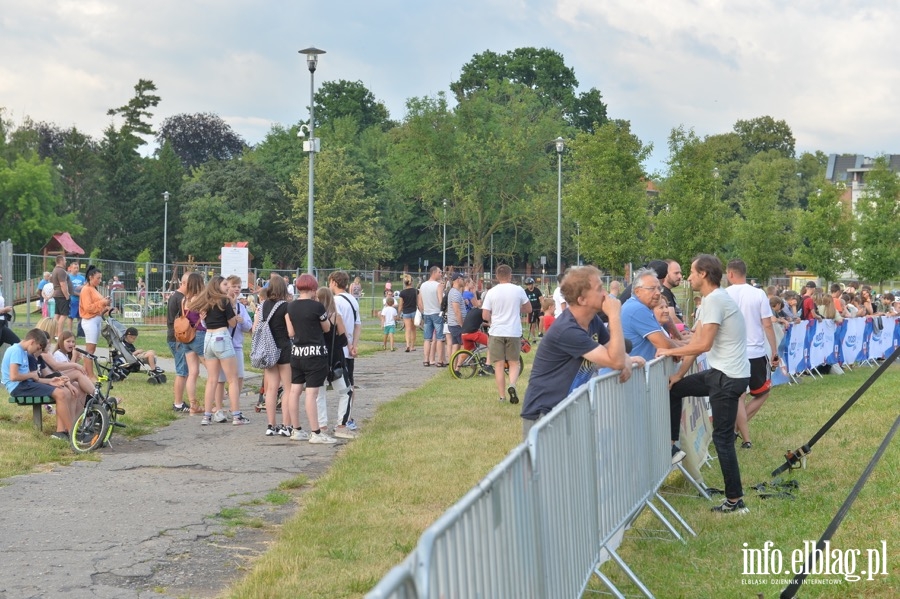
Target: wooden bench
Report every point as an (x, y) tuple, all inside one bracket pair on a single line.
[(37, 404)]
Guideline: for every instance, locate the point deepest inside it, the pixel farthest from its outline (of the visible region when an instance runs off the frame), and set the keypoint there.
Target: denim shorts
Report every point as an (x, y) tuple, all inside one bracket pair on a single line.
[(178, 351), (217, 345), (198, 344), (239, 353), (434, 326)]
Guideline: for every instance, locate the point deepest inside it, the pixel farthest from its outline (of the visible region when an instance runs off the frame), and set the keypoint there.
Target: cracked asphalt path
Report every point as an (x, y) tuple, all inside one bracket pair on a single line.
[(142, 521)]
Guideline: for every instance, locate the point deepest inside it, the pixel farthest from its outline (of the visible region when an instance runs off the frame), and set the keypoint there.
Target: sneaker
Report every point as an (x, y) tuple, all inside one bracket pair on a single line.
[(298, 434), (207, 419), (513, 396), (731, 508), (60, 436), (220, 416), (746, 445), (351, 424), (271, 431), (321, 439), (239, 419), (285, 431), (157, 370), (677, 454), (342, 432), (487, 369), (182, 408)]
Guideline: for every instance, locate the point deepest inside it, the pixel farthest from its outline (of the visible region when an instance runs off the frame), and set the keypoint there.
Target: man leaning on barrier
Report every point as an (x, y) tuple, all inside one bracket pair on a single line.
[(576, 346), (722, 334)]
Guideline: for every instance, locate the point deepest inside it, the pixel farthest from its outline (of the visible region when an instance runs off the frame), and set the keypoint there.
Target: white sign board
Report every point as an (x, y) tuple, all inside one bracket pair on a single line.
[(236, 261)]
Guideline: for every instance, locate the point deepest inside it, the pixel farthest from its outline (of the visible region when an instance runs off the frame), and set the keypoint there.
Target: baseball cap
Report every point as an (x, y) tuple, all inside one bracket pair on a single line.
[(529, 281), (131, 331), (457, 275), (811, 284)]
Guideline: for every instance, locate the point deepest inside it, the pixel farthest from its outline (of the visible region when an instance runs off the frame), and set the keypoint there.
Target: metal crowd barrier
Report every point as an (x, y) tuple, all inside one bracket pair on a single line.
[(545, 518)]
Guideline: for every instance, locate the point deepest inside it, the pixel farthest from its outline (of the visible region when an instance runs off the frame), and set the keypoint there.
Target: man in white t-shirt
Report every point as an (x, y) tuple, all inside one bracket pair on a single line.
[(431, 292), (502, 308), (559, 302), (754, 305)]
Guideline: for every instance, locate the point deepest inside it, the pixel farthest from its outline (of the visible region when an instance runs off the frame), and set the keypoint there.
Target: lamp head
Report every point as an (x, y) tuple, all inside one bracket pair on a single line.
[(312, 57), (560, 145), (166, 195)]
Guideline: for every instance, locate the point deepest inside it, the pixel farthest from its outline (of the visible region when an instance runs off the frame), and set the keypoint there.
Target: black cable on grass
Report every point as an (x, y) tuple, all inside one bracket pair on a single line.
[(791, 590), (792, 457)]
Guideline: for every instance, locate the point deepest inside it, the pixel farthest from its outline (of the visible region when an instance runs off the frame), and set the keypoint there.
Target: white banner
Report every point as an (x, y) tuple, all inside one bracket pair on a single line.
[(853, 339), (882, 341), (796, 343), (236, 261), (822, 342)]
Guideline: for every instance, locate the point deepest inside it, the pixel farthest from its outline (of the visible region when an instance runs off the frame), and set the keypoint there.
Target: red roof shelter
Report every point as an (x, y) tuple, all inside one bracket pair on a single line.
[(62, 243)]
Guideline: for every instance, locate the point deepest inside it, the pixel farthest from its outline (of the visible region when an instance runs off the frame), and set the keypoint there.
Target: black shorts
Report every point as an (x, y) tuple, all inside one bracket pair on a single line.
[(309, 371), (760, 381), (62, 306), (534, 316), (285, 357)]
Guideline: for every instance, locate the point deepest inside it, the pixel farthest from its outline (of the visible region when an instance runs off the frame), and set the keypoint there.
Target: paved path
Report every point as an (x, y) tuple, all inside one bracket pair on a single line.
[(140, 522)]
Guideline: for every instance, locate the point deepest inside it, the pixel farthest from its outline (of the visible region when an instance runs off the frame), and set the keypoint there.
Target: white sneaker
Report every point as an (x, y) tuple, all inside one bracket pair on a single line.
[(220, 417), (299, 434), (322, 439), (343, 432)]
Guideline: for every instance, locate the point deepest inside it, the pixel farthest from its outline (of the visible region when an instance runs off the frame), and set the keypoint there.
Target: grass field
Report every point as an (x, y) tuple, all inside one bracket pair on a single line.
[(423, 451)]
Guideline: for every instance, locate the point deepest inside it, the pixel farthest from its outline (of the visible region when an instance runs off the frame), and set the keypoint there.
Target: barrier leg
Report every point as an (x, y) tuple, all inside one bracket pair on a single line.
[(693, 481), (675, 513), (662, 519), (631, 575)]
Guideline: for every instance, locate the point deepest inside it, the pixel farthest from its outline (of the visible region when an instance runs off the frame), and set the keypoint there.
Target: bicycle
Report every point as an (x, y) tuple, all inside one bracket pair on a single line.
[(474, 362), (95, 426)]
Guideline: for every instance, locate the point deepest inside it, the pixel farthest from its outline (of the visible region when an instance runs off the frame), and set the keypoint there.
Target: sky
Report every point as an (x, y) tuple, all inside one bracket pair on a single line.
[(830, 69)]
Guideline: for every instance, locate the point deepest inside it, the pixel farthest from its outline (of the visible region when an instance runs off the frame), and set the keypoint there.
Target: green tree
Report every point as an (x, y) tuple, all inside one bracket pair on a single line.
[(689, 215), (877, 256), (199, 138), (607, 195), (136, 113), (337, 99), (765, 133), (347, 226), (30, 204), (763, 235), (825, 232)]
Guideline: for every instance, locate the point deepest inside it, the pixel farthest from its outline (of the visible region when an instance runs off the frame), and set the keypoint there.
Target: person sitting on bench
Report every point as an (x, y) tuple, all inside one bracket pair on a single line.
[(23, 381)]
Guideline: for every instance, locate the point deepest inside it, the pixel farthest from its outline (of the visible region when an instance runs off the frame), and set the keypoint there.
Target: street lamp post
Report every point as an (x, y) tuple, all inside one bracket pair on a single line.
[(444, 259), (165, 237), (578, 238), (560, 146), (312, 146)]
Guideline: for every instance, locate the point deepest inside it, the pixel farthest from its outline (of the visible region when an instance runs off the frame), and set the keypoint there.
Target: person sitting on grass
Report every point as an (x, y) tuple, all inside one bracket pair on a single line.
[(388, 322), (22, 379), (146, 355)]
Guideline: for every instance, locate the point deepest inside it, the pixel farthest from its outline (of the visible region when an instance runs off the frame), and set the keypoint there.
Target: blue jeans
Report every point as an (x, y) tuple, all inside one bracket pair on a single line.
[(724, 394), (178, 351), (434, 327)]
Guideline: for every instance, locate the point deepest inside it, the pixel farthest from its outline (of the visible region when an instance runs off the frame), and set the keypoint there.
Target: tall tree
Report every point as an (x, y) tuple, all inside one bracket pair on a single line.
[(765, 133), (136, 113), (877, 257), (541, 70), (337, 99), (200, 137), (763, 235), (608, 195), (825, 232)]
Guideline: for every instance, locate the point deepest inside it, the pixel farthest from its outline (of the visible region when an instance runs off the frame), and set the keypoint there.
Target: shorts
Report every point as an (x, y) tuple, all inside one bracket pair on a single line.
[(178, 351), (390, 329), (91, 328), (73, 308), (455, 334), (760, 382), (198, 345), (239, 354), (434, 325), (534, 315), (409, 315), (217, 345), (309, 370), (472, 340), (62, 306), (32, 388), (504, 348)]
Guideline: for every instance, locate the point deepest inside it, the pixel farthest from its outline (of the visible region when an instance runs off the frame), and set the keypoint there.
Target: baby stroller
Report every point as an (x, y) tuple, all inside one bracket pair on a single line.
[(122, 362)]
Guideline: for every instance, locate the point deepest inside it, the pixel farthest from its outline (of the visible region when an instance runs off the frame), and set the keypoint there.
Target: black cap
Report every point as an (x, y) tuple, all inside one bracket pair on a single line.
[(811, 284), (529, 281), (457, 275), (131, 331)]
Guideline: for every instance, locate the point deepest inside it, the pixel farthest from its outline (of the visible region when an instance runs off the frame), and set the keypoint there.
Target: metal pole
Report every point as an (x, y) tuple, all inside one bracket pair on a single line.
[(165, 242), (559, 213), (444, 259), (312, 158), (578, 237)]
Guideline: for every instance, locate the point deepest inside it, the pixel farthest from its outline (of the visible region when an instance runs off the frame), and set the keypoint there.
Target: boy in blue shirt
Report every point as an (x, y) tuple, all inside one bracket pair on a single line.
[(21, 378)]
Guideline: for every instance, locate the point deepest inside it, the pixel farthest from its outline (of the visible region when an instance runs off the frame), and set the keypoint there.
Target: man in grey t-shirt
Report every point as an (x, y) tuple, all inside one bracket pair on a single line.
[(456, 313), (722, 334)]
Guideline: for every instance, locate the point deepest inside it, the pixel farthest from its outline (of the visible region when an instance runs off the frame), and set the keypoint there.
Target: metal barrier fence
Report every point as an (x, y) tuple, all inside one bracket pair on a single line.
[(545, 518)]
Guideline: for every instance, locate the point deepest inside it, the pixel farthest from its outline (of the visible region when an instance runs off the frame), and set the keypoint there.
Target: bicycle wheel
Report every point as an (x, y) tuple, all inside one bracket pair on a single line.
[(89, 430), (463, 364)]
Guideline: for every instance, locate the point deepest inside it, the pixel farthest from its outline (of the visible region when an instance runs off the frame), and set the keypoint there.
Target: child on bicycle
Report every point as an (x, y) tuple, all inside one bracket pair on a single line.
[(388, 322)]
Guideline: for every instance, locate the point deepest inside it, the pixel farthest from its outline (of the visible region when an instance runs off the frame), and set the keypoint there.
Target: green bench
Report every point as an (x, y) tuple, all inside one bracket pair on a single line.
[(37, 404)]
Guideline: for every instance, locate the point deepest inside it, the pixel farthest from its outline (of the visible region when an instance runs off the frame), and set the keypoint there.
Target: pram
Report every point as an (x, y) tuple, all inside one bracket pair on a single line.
[(122, 362)]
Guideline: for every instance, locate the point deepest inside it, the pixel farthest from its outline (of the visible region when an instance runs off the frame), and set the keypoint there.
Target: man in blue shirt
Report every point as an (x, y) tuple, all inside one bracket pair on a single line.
[(76, 282), (639, 324)]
